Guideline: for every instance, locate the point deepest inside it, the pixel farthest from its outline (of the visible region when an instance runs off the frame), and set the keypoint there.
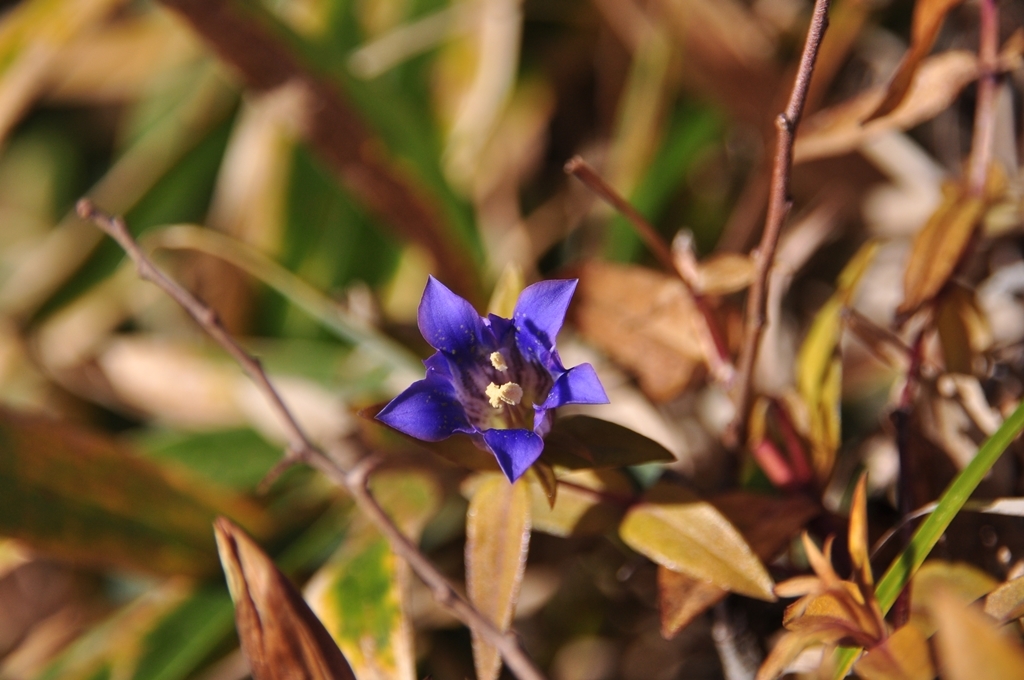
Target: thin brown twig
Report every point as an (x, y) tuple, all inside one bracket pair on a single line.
[(779, 204), (302, 450), (985, 112), (720, 363)]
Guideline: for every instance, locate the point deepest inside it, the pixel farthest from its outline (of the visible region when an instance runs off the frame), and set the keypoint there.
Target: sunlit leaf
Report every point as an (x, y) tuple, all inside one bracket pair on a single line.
[(73, 493), (904, 655), (280, 636), (359, 594), (588, 503), (767, 523), (506, 292), (497, 541), (958, 579), (928, 18), (678, 530), (724, 273), (969, 645)]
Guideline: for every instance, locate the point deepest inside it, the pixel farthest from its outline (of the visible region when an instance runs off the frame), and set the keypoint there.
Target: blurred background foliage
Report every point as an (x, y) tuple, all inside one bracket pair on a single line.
[(304, 175)]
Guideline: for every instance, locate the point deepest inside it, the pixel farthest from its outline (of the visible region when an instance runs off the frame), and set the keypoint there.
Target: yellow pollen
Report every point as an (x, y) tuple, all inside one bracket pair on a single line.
[(510, 393), (498, 361)]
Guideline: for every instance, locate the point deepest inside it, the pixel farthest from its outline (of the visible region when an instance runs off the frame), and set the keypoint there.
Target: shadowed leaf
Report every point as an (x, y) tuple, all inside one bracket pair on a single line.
[(497, 541), (958, 579), (280, 636), (581, 442), (678, 530), (75, 494)]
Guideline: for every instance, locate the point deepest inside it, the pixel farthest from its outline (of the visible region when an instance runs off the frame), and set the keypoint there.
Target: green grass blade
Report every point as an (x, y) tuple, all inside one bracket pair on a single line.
[(927, 535)]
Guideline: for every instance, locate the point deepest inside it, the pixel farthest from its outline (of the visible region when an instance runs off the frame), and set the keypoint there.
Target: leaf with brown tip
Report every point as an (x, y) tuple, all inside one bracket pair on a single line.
[(280, 636), (497, 542)]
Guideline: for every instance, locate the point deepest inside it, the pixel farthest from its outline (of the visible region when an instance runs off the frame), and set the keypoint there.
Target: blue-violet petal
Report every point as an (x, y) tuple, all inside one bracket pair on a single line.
[(578, 385), (448, 322), (427, 410), (516, 450)]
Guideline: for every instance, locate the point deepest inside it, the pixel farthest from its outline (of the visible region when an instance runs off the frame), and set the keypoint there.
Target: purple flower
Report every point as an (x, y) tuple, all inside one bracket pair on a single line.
[(494, 379)]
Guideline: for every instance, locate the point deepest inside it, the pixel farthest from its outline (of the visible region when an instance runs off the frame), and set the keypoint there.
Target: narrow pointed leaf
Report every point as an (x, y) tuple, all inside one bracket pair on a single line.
[(280, 635), (497, 541), (678, 530)]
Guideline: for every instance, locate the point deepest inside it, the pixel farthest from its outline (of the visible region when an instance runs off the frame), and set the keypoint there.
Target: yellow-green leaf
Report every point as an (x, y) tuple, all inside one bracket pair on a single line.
[(497, 541), (360, 593), (680, 531), (506, 291), (280, 636), (819, 368)]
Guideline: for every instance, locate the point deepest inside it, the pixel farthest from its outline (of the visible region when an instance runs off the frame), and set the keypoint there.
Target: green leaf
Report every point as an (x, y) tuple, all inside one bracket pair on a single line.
[(927, 535), (235, 459), (74, 494), (359, 593), (678, 530), (581, 442)]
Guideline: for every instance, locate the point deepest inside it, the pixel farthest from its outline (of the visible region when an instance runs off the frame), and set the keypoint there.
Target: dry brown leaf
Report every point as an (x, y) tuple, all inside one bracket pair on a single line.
[(767, 523), (280, 636), (904, 655), (969, 645), (497, 541), (644, 320), (840, 129), (938, 248), (928, 18)]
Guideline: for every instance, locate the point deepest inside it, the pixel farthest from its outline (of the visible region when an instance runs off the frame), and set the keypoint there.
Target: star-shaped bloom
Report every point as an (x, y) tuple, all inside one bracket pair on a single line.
[(494, 379)]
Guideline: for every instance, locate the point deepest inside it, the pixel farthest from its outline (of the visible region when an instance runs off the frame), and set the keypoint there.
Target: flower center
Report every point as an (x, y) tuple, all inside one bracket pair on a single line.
[(509, 393)]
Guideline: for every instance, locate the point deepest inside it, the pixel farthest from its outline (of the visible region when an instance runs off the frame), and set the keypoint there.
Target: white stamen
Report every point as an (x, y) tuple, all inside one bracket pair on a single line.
[(498, 361), (510, 393)]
